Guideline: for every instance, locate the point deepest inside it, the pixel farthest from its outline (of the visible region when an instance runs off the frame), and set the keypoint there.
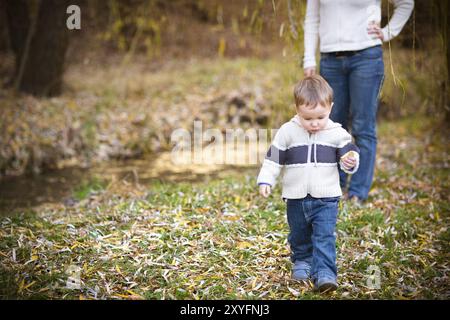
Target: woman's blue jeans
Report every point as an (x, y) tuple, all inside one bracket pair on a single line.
[(356, 81), (312, 237)]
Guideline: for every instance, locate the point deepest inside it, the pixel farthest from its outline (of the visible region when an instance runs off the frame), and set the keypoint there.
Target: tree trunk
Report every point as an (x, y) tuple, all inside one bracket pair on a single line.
[(18, 24), (443, 21), (43, 66), (446, 27), (39, 42)]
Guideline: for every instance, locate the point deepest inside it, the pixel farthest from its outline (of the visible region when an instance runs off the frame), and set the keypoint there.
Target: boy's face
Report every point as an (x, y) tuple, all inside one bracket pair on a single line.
[(314, 119)]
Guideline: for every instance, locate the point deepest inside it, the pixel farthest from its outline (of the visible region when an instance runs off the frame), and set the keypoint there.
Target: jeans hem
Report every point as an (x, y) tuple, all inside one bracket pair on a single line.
[(354, 194), (325, 275)]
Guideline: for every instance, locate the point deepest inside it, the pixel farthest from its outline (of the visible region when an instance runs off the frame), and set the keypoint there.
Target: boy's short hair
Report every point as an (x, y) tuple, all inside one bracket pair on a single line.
[(313, 90)]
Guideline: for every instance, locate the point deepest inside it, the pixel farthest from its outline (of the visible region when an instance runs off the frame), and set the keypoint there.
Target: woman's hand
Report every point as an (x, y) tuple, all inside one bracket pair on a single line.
[(264, 190), (374, 29), (307, 72)]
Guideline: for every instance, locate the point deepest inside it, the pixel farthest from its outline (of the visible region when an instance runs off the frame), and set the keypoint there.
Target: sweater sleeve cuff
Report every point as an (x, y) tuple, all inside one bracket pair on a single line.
[(386, 34), (309, 63)]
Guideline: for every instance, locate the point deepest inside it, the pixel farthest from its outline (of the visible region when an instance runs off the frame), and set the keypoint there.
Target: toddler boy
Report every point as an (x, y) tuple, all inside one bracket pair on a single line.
[(308, 148)]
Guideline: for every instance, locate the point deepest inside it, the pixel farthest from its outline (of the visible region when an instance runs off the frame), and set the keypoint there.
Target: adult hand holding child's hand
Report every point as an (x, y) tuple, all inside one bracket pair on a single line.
[(264, 190)]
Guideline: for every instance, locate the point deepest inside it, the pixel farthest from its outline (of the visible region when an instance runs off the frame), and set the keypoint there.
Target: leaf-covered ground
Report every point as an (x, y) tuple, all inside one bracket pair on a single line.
[(221, 240)]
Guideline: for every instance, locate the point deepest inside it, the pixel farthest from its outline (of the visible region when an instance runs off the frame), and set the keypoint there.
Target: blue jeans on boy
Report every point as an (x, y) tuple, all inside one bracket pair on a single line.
[(312, 223), (356, 81)]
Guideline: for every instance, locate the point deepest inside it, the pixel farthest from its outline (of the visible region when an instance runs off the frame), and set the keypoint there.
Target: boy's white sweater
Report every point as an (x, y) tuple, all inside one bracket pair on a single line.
[(309, 160)]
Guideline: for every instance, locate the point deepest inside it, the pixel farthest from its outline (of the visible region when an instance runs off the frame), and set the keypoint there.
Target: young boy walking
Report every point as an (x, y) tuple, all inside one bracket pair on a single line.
[(309, 149)]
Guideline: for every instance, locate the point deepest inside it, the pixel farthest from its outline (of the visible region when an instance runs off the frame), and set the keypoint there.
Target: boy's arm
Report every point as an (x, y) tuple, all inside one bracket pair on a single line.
[(274, 160), (345, 146)]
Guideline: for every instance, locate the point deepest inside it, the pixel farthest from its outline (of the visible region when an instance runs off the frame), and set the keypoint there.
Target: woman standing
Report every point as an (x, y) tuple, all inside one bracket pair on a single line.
[(351, 60)]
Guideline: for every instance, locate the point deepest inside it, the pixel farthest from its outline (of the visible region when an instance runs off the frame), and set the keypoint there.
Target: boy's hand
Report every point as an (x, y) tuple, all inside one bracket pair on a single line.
[(264, 190), (348, 160)]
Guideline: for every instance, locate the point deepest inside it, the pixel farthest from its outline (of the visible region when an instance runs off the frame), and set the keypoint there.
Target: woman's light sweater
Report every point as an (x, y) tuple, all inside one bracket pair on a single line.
[(308, 161), (341, 25)]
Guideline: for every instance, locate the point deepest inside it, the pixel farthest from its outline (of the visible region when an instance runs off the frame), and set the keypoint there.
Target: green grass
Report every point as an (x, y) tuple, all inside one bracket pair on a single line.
[(88, 188)]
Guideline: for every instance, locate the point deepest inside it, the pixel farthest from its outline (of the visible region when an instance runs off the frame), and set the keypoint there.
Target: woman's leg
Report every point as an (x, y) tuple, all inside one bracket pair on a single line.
[(366, 78), (334, 70)]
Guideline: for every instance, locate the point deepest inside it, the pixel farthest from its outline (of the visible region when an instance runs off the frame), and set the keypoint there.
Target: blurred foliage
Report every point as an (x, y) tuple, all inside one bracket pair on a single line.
[(148, 66), (130, 24), (148, 25)]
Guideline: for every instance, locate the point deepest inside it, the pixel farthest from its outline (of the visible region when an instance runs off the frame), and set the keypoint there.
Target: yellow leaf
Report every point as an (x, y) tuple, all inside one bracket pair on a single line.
[(244, 244), (29, 285), (118, 269), (134, 293), (232, 218), (21, 285), (131, 297), (222, 45)]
